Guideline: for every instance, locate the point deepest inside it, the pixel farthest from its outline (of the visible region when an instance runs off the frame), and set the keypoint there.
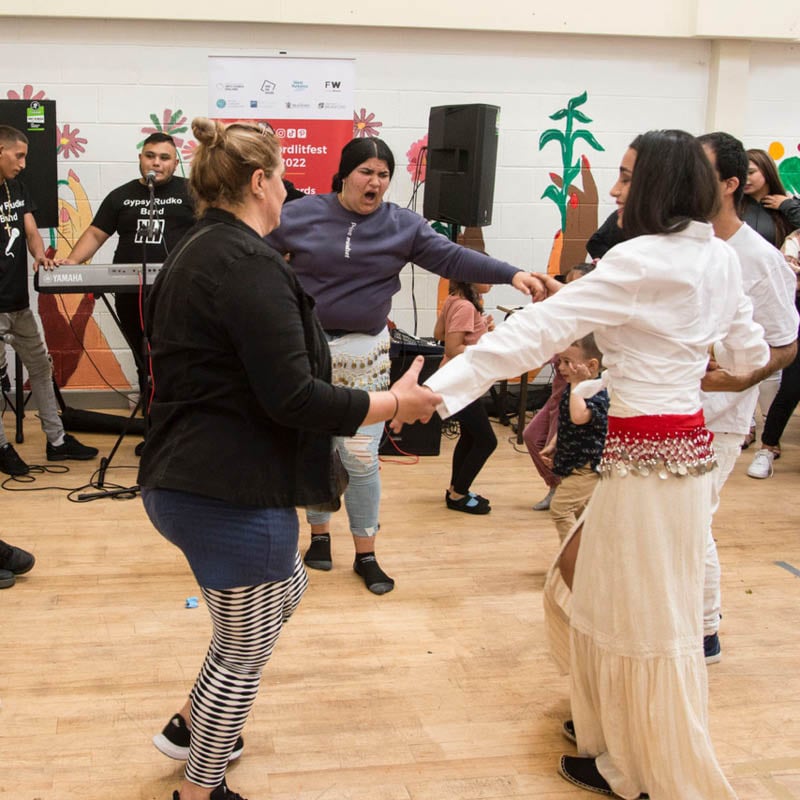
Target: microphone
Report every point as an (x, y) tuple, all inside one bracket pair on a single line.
[(150, 178), (12, 237)]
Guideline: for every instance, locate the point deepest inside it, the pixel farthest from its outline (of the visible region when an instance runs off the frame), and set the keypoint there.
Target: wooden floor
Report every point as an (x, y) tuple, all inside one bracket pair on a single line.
[(441, 690)]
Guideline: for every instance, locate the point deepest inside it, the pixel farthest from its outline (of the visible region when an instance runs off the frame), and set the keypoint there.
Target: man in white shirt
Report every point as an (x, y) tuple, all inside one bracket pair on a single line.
[(729, 401)]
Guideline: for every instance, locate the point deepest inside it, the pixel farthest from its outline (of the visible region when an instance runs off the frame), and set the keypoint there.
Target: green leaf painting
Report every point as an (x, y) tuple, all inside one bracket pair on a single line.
[(567, 139)]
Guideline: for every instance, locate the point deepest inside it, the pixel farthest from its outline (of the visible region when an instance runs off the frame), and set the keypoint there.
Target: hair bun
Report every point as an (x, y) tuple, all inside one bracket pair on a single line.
[(207, 131)]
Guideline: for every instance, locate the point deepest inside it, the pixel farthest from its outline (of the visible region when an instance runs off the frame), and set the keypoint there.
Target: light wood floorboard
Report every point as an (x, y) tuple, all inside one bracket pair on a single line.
[(441, 690)]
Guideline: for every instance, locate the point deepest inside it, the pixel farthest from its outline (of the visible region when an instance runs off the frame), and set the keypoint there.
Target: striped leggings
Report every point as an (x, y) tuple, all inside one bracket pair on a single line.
[(246, 624)]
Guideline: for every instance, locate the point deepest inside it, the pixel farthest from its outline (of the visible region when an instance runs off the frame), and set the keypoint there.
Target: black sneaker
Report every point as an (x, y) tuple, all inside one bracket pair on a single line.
[(173, 741), (7, 578), (222, 792), (318, 555), (15, 559), (11, 463), (70, 450)]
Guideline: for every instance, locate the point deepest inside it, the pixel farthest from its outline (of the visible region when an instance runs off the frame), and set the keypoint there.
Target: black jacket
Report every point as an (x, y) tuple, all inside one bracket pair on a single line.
[(243, 408), (763, 220)]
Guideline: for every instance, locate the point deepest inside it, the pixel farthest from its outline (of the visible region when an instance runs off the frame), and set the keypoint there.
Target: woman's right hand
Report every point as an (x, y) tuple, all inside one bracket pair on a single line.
[(414, 402)]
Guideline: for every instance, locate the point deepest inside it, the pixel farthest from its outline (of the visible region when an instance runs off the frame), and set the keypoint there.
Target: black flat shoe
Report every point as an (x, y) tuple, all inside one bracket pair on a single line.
[(469, 504), (583, 772), (568, 730)]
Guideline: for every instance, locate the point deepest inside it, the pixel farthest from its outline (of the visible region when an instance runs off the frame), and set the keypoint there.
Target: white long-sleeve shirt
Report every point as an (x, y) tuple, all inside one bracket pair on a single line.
[(656, 304)]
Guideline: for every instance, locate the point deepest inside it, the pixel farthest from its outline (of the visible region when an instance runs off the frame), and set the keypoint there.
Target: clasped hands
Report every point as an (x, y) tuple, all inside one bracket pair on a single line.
[(414, 402)]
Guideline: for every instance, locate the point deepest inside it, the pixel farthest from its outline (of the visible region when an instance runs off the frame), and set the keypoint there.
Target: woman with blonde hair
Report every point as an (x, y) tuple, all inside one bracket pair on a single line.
[(243, 417)]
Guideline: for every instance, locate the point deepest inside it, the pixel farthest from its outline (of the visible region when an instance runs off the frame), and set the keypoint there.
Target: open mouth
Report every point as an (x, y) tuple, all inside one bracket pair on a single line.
[(370, 196)]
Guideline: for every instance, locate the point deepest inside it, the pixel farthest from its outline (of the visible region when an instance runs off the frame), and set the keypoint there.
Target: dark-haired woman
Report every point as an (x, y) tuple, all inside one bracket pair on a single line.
[(656, 304), (766, 206), (461, 323), (348, 249), (243, 414)]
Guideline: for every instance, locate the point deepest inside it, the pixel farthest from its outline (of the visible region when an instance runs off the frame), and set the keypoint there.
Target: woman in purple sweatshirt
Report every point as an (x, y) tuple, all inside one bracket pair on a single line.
[(348, 249)]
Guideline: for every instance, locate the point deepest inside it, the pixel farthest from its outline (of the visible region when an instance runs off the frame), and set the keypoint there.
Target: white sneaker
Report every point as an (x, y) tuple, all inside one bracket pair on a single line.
[(761, 466)]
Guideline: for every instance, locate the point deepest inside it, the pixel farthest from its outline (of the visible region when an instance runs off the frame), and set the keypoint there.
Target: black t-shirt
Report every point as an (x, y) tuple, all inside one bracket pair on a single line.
[(14, 259), (125, 212)]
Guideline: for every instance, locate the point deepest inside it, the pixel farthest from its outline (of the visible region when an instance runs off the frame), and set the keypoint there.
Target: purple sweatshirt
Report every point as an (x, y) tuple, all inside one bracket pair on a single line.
[(350, 264)]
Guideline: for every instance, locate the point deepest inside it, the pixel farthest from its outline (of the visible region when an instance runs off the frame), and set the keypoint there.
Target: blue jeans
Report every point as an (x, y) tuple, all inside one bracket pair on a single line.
[(362, 498)]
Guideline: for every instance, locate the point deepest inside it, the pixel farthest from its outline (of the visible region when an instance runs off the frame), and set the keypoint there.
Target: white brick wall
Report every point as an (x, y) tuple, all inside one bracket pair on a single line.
[(109, 76)]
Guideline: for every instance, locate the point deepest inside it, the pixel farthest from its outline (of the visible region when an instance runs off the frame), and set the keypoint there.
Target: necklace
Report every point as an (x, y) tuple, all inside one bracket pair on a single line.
[(7, 215)]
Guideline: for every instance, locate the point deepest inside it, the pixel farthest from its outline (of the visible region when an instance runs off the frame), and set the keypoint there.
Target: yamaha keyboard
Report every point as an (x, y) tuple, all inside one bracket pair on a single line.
[(94, 278)]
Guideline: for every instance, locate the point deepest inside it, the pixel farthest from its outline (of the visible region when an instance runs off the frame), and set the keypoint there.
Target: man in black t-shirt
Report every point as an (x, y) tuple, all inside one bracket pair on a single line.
[(17, 324), (125, 211)]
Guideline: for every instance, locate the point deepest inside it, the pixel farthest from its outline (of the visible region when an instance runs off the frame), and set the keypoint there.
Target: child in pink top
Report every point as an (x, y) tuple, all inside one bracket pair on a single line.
[(460, 324)]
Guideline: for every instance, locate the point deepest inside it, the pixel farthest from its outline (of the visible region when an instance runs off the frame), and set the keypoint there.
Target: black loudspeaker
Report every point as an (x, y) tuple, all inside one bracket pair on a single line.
[(418, 439), (37, 120), (461, 162)]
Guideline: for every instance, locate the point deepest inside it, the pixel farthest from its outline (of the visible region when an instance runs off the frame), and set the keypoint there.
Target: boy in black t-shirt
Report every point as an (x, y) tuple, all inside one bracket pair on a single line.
[(125, 211), (17, 324)]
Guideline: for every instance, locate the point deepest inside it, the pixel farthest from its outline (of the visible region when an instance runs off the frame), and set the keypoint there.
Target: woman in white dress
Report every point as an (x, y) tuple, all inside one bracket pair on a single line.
[(656, 303)]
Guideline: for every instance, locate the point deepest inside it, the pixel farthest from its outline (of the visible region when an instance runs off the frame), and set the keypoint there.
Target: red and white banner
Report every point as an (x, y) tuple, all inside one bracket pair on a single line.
[(308, 101)]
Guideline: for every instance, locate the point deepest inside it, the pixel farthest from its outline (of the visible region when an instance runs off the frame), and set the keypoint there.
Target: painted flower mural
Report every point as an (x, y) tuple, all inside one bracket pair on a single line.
[(365, 124), (69, 143), (27, 94), (171, 122), (417, 159), (188, 151)]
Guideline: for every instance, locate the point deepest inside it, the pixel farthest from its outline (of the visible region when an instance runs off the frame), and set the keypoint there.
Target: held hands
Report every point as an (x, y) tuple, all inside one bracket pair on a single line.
[(414, 402), (551, 285), (528, 283)]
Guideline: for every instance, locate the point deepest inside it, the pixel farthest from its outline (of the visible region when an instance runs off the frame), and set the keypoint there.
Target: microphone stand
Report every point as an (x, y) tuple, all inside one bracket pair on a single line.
[(142, 362)]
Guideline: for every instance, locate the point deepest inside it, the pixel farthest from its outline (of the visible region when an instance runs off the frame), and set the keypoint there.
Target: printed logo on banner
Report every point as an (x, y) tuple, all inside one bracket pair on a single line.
[(254, 104), (221, 103), (323, 105), (299, 86), (290, 104), (291, 133), (268, 87), (333, 86)]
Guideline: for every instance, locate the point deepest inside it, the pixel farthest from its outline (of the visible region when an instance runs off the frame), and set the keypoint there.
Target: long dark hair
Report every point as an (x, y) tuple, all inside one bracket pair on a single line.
[(673, 183), (356, 152), (468, 292), (763, 160)]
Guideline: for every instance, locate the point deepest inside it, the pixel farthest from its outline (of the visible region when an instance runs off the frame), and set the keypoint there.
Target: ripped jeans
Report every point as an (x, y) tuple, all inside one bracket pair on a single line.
[(362, 497)]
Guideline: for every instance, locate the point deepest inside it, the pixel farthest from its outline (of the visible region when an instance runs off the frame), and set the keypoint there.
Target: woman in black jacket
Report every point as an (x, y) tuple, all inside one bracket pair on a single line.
[(766, 206), (242, 416)]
